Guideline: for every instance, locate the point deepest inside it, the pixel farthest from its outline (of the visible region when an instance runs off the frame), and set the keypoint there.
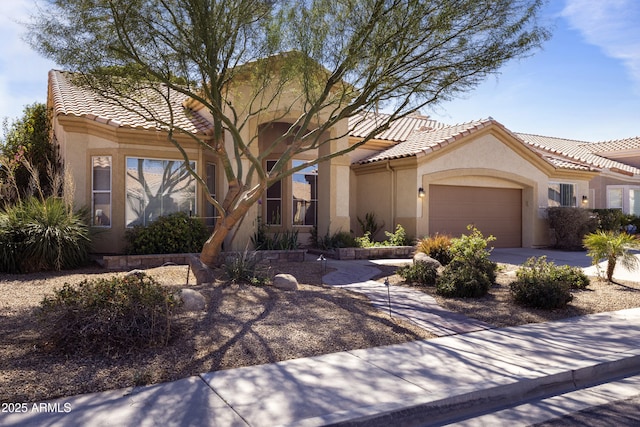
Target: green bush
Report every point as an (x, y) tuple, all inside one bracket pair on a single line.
[(47, 234), (397, 238), (609, 219), (470, 273), (263, 241), (542, 284), (419, 273), (437, 247), (170, 234), (109, 316), (570, 225)]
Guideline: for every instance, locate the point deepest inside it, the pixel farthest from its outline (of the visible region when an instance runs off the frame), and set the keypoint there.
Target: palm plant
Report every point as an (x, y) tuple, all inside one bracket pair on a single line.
[(614, 247)]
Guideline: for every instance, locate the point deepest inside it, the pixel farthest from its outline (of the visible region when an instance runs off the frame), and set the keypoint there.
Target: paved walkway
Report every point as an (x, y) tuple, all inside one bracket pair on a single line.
[(430, 382), (401, 301)]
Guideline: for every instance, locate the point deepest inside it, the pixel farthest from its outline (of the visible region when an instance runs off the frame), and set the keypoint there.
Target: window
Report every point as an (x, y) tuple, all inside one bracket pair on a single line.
[(304, 194), (274, 200), (210, 211), (156, 188), (101, 191), (624, 197), (615, 197), (634, 202), (562, 194)]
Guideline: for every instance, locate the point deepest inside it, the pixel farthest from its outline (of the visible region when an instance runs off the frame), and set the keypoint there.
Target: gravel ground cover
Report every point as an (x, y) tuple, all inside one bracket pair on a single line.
[(242, 325)]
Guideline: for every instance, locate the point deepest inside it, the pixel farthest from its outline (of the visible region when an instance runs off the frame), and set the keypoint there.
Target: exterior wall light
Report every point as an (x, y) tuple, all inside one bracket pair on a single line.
[(421, 193), (585, 200)]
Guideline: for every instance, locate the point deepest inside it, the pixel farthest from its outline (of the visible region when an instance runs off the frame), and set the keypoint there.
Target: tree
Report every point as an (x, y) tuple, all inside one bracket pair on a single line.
[(310, 64), (25, 143), (613, 247)]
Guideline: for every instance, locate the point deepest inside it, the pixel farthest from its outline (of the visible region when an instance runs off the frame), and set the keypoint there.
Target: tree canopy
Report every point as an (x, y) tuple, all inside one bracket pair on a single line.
[(240, 59)]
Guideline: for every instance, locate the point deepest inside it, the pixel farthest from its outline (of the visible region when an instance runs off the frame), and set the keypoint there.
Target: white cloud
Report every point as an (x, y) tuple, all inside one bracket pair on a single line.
[(612, 25)]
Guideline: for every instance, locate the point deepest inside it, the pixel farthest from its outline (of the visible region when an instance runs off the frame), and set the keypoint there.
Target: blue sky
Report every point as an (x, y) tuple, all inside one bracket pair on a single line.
[(584, 84)]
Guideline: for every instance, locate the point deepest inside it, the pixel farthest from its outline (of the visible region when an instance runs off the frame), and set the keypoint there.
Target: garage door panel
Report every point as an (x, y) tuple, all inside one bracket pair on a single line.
[(494, 211)]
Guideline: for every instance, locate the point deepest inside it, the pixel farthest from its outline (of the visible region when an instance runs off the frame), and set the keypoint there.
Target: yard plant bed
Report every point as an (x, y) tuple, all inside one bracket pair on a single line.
[(498, 309), (243, 325)]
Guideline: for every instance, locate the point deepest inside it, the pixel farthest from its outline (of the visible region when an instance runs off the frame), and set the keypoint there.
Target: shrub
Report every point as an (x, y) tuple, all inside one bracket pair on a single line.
[(339, 239), (43, 234), (262, 241), (169, 234), (609, 219), (244, 268), (470, 273), (542, 284), (370, 224), (419, 273), (570, 225), (397, 238), (437, 247), (109, 316)]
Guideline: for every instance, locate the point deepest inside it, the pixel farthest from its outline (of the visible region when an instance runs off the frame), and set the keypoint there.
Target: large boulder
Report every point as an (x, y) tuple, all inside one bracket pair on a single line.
[(192, 300), (426, 259), (285, 281)]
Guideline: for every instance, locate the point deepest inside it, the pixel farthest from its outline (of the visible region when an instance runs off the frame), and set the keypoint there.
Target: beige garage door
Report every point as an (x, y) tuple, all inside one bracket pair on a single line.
[(496, 211)]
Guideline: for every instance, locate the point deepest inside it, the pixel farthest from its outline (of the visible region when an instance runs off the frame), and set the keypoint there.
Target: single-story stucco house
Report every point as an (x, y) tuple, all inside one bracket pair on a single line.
[(427, 176)]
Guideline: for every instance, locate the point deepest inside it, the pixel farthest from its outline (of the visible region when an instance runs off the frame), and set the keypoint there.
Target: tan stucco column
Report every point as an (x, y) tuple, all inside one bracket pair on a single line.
[(333, 187)]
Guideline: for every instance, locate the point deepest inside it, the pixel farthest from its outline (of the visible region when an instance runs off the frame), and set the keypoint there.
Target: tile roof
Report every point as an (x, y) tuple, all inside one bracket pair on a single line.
[(581, 151), (71, 99), (429, 140), (361, 125), (616, 145)]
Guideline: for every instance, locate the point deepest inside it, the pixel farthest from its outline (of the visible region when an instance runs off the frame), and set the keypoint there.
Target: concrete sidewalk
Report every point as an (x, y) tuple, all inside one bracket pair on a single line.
[(417, 383)]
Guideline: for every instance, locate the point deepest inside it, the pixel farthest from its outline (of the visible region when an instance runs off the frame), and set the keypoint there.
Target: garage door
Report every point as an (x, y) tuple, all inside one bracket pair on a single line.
[(496, 211)]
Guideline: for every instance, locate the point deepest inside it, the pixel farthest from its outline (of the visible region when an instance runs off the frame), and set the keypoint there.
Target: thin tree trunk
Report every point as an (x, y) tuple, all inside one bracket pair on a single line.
[(212, 248), (611, 265)]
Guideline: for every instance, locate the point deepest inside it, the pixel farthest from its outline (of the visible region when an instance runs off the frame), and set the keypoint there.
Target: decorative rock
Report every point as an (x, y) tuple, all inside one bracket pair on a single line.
[(285, 281), (426, 259), (192, 300), (135, 272)]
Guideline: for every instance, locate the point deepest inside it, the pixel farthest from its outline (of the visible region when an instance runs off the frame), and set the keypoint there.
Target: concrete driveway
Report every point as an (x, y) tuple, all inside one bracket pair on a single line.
[(573, 258)]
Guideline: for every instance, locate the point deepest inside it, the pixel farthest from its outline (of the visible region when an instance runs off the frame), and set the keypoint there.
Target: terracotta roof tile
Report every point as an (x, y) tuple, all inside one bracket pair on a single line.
[(428, 140), (580, 151), (361, 125), (70, 99), (616, 145)]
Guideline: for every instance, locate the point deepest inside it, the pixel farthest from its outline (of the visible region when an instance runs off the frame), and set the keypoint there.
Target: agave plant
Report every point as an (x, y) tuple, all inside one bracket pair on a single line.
[(614, 247)]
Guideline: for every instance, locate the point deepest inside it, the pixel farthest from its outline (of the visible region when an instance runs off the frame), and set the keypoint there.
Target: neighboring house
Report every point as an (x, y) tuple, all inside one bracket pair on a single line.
[(617, 186), (425, 175)]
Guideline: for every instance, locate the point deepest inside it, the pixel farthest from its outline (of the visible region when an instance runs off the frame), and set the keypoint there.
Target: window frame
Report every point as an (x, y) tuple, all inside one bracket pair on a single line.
[(312, 201), (94, 191), (193, 204), (561, 185)]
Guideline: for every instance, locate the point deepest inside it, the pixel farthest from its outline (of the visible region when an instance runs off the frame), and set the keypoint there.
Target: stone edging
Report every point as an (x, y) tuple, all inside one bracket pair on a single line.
[(123, 262)]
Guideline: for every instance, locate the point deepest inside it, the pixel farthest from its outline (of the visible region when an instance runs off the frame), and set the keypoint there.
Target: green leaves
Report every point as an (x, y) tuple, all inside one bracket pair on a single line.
[(613, 247)]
